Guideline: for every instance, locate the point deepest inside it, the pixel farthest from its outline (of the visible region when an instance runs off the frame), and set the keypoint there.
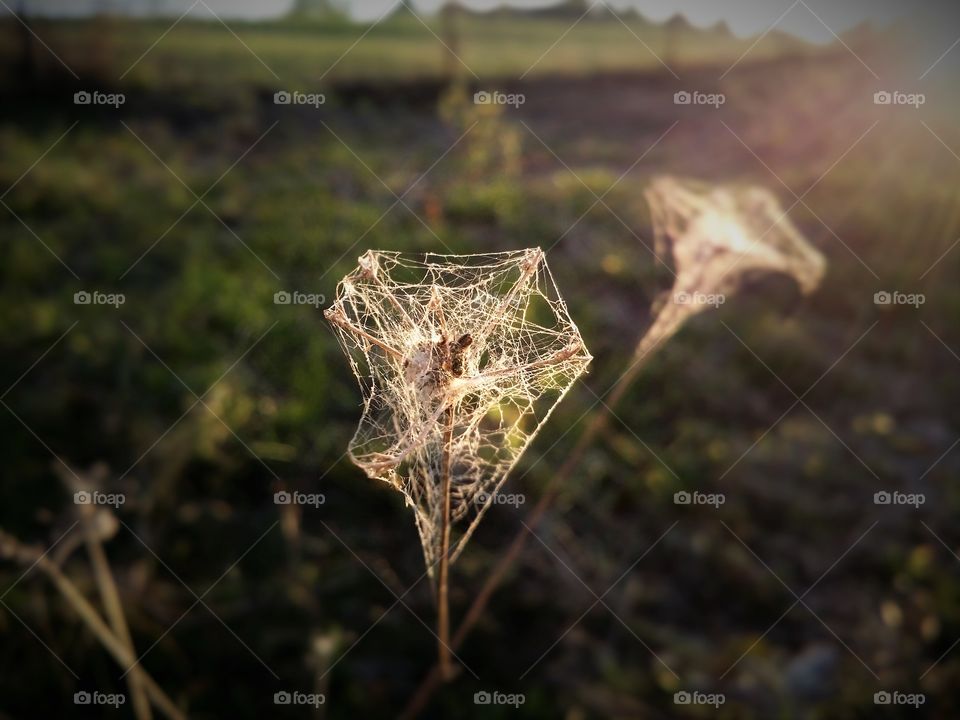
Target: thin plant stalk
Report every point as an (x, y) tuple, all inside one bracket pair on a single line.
[(114, 608), (11, 547), (443, 584), (107, 587), (665, 325)]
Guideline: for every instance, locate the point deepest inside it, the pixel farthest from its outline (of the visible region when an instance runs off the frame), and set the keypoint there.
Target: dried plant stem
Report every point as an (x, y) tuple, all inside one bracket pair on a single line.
[(665, 325), (341, 320), (443, 584), (113, 607), (30, 557)]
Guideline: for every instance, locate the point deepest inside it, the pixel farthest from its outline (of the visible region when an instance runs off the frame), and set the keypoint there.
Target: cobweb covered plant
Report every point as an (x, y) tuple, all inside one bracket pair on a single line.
[(718, 237), (461, 360)]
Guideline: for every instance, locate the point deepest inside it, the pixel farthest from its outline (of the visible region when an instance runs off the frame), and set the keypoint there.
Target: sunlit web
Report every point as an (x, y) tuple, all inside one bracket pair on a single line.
[(461, 360), (718, 236)]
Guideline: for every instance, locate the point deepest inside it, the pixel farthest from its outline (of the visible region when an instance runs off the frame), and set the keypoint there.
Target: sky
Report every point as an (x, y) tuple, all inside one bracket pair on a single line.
[(813, 20)]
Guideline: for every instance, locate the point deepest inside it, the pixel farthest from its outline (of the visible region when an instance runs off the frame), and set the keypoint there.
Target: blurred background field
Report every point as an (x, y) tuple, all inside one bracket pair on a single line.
[(306, 49), (200, 198)]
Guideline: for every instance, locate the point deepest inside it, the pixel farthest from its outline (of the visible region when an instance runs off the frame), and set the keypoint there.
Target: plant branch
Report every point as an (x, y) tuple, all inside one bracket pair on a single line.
[(92, 530), (27, 556), (113, 607), (336, 315)]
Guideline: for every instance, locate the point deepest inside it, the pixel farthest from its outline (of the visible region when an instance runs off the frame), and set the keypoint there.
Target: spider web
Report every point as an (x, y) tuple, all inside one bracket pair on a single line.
[(719, 233), (718, 236), (461, 360)]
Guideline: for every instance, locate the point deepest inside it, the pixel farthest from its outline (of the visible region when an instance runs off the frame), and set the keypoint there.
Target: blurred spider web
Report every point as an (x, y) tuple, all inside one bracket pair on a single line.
[(718, 237)]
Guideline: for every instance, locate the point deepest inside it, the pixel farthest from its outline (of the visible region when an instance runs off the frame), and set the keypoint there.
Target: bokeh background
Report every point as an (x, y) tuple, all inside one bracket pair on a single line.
[(199, 397)]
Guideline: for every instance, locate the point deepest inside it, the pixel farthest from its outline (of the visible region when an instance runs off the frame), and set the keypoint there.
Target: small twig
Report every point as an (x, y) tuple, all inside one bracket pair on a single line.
[(114, 608), (106, 585), (13, 549), (335, 315), (558, 357)]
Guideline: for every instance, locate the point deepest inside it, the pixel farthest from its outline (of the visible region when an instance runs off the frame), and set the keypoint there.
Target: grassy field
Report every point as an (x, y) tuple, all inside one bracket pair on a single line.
[(199, 50), (290, 196)]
